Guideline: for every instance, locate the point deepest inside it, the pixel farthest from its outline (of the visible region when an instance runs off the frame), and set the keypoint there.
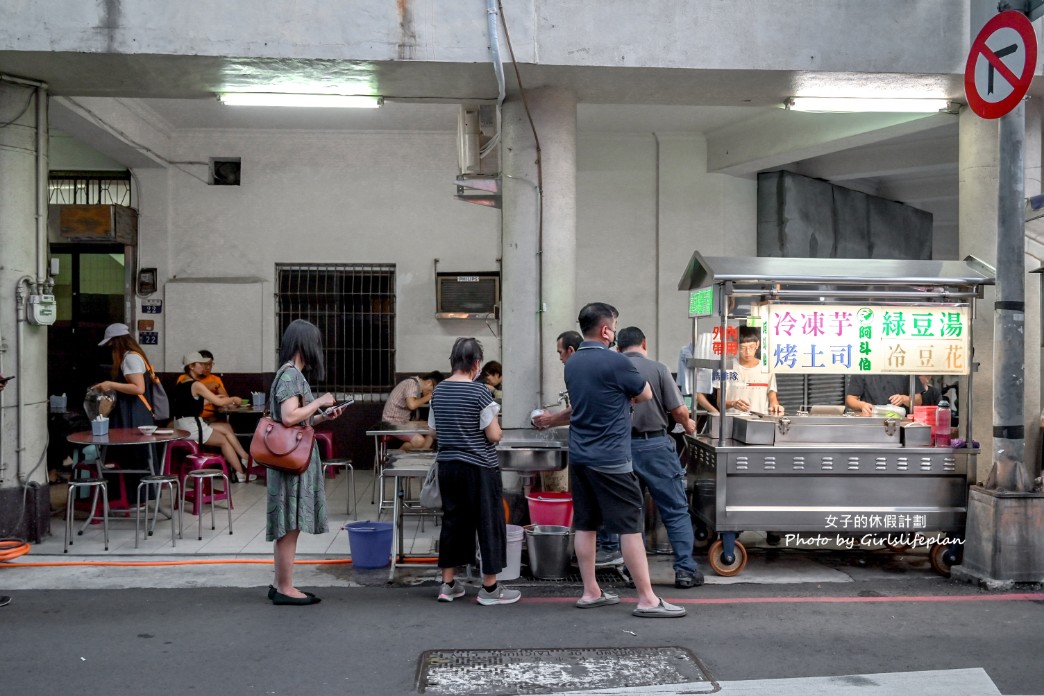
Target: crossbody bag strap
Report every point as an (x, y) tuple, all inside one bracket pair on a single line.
[(149, 374)]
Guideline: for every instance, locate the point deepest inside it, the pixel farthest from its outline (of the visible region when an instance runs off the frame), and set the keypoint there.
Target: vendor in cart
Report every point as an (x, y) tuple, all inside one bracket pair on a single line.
[(750, 388), (866, 391)]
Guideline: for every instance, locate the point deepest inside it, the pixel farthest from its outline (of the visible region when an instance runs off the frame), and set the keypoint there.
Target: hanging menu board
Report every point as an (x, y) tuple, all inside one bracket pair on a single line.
[(846, 339)]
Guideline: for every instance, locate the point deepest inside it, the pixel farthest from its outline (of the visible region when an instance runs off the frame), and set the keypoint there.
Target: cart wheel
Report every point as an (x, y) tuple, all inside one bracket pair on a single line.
[(718, 564), (702, 536), (942, 558)]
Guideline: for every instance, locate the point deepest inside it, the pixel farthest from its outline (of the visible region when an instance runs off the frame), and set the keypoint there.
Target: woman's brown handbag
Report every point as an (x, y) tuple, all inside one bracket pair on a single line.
[(286, 448)]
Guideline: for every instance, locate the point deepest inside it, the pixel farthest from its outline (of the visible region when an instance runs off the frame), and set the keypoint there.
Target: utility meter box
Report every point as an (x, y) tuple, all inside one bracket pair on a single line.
[(42, 310)]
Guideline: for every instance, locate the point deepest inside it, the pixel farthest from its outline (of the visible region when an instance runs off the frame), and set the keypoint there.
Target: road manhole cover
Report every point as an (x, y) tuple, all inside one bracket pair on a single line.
[(534, 671)]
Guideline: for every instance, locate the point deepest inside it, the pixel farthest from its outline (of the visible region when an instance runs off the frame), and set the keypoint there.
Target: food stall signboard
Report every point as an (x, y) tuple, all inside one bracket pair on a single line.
[(701, 302), (847, 339)]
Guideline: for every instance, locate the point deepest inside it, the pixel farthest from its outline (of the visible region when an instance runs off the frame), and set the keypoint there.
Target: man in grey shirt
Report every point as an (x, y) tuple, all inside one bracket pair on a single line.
[(653, 454)]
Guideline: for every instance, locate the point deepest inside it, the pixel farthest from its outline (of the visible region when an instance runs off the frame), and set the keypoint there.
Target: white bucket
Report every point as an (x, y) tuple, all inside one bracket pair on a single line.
[(513, 557)]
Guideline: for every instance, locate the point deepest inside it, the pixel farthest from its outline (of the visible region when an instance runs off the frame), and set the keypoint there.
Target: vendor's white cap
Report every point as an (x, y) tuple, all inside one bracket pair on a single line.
[(114, 330), (190, 358)]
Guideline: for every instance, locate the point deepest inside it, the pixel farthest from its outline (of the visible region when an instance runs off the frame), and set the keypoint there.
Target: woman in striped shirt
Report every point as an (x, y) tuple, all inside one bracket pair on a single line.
[(464, 415)]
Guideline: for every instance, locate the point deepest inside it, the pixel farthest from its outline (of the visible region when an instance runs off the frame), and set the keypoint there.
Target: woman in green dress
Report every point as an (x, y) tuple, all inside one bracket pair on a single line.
[(296, 503)]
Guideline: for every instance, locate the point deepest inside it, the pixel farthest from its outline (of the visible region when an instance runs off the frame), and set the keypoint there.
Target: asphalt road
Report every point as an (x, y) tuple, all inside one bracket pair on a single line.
[(368, 640)]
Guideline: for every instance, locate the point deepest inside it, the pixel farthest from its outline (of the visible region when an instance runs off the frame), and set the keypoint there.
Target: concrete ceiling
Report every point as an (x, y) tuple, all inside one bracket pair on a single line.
[(910, 160)]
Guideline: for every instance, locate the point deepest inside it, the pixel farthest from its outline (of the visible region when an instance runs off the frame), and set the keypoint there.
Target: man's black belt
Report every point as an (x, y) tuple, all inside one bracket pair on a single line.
[(648, 434)]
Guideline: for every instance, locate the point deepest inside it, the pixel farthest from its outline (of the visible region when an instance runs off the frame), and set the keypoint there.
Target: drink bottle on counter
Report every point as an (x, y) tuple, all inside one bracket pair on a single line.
[(942, 424)]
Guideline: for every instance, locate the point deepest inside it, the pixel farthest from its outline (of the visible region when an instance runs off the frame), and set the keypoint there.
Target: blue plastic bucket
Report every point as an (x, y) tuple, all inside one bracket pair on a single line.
[(369, 543)]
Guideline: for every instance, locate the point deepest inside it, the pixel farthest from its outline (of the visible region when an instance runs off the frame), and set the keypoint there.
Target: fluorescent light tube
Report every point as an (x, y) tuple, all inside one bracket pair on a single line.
[(853, 104), (343, 101)]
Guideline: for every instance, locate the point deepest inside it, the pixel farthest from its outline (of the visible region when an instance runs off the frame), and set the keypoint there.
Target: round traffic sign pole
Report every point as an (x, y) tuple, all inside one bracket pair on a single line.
[(1000, 65)]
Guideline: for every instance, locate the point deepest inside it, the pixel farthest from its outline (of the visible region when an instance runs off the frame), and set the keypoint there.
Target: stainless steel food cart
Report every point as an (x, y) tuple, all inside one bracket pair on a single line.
[(817, 476)]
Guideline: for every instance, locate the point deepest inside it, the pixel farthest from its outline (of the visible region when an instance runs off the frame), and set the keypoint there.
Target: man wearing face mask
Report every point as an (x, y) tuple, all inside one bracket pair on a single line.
[(602, 386)]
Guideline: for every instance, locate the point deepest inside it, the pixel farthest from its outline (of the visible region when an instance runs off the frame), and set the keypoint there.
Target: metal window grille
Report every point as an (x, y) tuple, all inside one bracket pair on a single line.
[(90, 188), (795, 391), (354, 307)]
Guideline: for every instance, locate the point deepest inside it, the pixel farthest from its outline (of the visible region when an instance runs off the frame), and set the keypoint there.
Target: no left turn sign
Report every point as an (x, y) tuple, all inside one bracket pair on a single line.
[(1000, 65)]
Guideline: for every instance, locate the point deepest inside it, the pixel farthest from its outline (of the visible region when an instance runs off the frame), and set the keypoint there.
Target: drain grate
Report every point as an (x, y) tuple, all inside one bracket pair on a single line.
[(535, 671), (604, 576)]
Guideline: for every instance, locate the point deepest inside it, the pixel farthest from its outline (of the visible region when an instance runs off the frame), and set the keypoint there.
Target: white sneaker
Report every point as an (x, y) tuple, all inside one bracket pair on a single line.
[(501, 595), (447, 593)]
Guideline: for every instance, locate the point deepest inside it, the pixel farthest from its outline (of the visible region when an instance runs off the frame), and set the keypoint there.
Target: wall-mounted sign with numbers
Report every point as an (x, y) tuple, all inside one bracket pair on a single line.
[(847, 339), (152, 306), (148, 338)]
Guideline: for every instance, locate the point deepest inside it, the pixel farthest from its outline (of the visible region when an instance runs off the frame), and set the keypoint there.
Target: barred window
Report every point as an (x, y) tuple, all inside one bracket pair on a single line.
[(90, 188), (354, 307)]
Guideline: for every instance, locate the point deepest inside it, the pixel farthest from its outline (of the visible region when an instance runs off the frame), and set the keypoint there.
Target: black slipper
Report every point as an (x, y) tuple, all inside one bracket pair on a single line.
[(272, 592), (282, 599)]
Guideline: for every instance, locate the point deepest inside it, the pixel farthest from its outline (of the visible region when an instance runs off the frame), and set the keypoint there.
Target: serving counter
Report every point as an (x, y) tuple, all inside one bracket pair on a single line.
[(819, 478), (827, 490)]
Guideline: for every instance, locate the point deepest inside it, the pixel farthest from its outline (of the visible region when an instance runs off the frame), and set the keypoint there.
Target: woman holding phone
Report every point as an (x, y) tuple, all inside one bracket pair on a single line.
[(297, 503)]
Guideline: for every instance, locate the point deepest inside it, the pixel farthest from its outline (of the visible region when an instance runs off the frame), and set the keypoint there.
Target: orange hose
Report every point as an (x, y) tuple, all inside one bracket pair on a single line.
[(12, 548), (198, 561)]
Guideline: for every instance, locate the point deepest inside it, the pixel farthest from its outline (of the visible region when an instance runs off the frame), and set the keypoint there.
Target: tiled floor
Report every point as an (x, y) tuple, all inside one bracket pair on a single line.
[(248, 526)]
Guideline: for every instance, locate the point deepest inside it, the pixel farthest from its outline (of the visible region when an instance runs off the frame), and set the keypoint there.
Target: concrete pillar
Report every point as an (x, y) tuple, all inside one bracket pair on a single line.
[(539, 261), (23, 404), (1033, 403), (978, 165)]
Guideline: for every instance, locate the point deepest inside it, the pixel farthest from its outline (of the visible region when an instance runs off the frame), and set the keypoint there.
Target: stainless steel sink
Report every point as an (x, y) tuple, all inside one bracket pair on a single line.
[(533, 450)]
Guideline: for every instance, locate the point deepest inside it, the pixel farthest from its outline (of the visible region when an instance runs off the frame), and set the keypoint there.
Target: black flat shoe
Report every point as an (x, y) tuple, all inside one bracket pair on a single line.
[(281, 599), (272, 592)]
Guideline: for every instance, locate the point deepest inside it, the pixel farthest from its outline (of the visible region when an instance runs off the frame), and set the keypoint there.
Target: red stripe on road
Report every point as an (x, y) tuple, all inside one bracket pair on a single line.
[(1010, 597)]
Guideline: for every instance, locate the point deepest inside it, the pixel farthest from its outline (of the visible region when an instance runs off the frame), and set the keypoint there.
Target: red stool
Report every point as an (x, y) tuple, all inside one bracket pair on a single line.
[(177, 452), (324, 438), (119, 502), (203, 492)]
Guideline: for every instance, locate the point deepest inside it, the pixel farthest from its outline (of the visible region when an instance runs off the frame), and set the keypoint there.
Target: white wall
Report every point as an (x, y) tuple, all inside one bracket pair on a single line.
[(635, 189), (387, 198), (311, 197)]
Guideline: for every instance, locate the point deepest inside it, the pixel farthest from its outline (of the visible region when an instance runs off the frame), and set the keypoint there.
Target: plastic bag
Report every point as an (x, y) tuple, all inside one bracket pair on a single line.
[(98, 403)]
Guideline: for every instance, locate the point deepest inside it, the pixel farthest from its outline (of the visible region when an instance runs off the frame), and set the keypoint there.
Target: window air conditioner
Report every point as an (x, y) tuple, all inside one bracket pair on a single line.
[(467, 295)]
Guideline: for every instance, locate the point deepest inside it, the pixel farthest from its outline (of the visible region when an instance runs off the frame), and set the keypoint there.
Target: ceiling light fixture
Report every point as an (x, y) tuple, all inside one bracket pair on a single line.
[(869, 105), (343, 101)]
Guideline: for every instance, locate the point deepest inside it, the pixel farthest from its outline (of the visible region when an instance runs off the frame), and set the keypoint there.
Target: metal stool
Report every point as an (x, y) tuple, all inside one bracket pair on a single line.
[(206, 493), (96, 484), (198, 477), (352, 494), (160, 482)]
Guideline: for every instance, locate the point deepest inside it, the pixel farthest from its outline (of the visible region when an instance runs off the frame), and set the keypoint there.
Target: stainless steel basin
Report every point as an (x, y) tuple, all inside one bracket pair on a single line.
[(524, 449), (532, 458)]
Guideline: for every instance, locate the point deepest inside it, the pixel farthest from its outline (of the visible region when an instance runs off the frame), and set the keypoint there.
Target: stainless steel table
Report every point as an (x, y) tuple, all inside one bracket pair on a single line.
[(380, 434), (405, 468)]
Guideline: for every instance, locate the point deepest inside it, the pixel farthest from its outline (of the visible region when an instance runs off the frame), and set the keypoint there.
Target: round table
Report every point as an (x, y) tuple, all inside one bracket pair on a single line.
[(127, 436)]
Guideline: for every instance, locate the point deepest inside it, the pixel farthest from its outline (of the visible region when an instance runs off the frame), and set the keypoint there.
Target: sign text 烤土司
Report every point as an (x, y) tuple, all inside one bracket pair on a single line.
[(845, 339)]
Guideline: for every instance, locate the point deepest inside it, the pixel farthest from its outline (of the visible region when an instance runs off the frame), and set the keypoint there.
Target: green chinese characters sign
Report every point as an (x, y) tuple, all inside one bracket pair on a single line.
[(701, 302), (846, 339)]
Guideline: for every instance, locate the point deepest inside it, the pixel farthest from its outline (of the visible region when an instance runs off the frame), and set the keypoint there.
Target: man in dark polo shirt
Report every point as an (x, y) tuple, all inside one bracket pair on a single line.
[(654, 456), (602, 386), (866, 391)]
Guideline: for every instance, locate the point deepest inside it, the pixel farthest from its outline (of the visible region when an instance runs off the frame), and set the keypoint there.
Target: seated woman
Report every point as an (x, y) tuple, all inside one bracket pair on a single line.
[(492, 376), (187, 408), (407, 396), (211, 382)]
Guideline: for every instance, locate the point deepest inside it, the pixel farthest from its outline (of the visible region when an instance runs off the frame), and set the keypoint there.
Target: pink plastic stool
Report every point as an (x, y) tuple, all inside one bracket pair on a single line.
[(207, 495)]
